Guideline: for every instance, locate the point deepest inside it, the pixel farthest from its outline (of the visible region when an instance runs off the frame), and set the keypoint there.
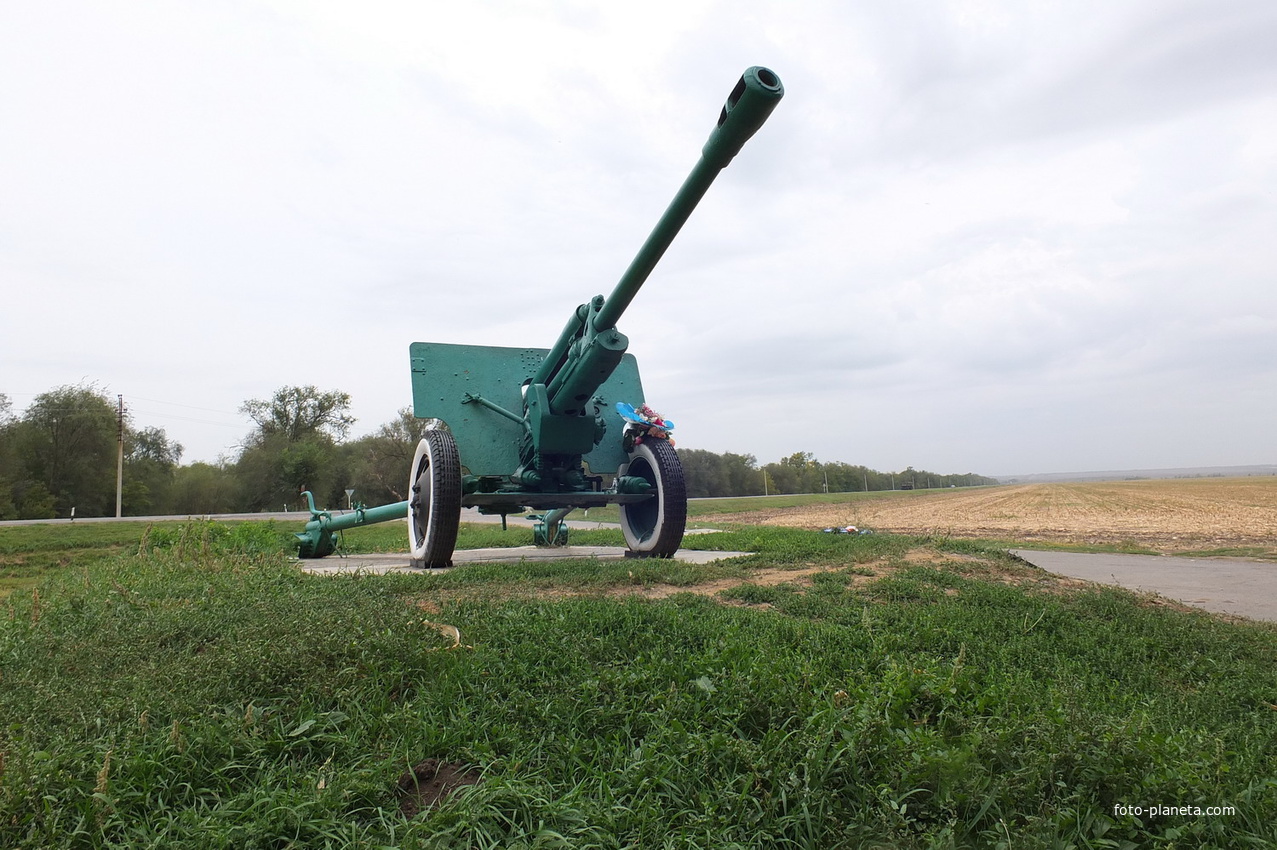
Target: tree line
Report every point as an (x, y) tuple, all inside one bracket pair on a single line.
[(710, 474), (61, 454)]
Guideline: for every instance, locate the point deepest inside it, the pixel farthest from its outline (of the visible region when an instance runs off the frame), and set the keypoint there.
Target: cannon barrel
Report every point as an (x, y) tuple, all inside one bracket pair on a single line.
[(748, 106), (752, 99)]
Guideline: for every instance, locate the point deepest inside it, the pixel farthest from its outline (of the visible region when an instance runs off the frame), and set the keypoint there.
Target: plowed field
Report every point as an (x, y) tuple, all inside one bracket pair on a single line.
[(1178, 515)]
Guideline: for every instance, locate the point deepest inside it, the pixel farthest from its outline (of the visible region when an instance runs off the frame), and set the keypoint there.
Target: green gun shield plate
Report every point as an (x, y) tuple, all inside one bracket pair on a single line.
[(443, 375)]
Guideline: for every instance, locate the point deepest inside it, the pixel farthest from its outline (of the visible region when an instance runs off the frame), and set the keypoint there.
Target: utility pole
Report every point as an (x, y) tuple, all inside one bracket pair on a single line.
[(119, 466)]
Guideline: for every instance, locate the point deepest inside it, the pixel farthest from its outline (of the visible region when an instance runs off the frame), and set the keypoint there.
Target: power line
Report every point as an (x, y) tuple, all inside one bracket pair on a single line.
[(188, 406), (60, 411), (189, 418)]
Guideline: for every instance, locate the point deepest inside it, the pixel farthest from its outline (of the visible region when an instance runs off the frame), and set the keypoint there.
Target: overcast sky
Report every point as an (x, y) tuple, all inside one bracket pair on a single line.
[(987, 236)]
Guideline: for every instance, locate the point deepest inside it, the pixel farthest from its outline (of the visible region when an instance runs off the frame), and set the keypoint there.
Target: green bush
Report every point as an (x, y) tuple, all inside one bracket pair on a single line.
[(238, 538)]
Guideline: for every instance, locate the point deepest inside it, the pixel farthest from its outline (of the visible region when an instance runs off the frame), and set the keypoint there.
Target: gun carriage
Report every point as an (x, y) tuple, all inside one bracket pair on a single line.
[(530, 428)]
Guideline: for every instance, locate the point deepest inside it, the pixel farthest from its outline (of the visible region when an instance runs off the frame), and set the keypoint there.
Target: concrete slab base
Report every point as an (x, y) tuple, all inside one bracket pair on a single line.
[(400, 563)]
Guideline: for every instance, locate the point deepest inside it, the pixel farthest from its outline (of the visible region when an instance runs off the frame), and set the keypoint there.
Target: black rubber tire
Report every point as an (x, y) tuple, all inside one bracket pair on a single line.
[(654, 527), (434, 509)]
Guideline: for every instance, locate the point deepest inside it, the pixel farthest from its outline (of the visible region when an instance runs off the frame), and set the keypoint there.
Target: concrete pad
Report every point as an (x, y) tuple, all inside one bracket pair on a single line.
[(1223, 585), (399, 563)]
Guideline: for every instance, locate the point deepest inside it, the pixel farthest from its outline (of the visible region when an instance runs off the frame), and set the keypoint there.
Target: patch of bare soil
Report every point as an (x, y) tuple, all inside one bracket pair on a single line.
[(760, 578), (1007, 572), (430, 783), (1011, 572), (861, 574), (1174, 515)]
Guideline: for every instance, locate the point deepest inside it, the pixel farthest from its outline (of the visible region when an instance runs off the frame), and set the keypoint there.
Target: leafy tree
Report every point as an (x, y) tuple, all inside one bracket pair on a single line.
[(782, 478), (8, 460), (297, 413), (34, 501), (202, 488), (150, 460), (62, 454), (798, 473), (799, 460), (66, 442), (381, 461), (703, 472), (293, 447), (711, 474), (743, 475)]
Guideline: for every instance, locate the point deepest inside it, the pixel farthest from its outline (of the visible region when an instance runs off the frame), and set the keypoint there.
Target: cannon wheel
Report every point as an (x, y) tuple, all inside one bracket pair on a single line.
[(654, 527), (434, 509)]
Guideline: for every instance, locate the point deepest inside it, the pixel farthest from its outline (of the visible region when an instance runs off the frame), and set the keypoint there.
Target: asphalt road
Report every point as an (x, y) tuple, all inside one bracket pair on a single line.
[(299, 516), (1223, 585), (577, 519)]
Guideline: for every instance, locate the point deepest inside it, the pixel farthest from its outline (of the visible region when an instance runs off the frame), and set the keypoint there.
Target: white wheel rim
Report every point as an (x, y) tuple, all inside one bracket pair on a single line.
[(631, 540), (417, 534)]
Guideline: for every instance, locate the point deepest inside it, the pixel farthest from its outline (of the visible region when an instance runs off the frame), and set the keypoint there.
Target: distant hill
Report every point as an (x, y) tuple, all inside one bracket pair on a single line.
[(1136, 474)]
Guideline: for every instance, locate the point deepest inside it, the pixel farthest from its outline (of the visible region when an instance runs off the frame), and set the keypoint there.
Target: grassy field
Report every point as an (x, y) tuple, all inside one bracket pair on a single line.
[(29, 552), (187, 686)]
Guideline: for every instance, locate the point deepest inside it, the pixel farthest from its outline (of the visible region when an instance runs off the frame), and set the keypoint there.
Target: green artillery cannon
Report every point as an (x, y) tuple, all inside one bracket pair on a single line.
[(531, 428)]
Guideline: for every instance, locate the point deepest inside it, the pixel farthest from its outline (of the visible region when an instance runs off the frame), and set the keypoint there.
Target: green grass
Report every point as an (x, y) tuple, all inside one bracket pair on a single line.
[(29, 552), (1267, 553), (70, 536), (32, 552), (207, 694), (1126, 547)]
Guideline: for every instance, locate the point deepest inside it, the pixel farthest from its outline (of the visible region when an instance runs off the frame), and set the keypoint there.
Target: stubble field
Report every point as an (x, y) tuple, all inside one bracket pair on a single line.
[(1217, 515)]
